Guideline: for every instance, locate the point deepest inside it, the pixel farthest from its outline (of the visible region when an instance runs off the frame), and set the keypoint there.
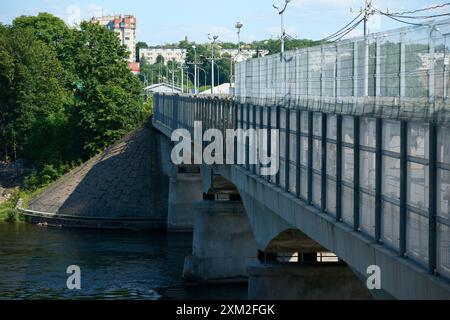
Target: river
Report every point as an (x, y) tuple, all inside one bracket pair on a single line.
[(114, 265)]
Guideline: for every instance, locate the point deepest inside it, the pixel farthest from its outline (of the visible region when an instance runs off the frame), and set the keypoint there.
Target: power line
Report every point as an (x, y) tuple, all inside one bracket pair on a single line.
[(404, 15), (420, 10), (350, 29), (342, 29), (420, 17), (402, 21)]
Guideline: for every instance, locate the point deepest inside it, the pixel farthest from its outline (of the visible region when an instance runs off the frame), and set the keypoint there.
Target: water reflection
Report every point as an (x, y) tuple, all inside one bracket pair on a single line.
[(114, 265)]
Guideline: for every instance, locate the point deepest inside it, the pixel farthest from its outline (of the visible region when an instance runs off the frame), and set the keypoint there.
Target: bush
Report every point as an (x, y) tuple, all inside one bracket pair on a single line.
[(47, 175), (10, 216)]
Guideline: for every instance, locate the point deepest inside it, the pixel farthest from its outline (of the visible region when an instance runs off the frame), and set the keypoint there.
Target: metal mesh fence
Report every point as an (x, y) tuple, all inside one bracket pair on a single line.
[(400, 74)]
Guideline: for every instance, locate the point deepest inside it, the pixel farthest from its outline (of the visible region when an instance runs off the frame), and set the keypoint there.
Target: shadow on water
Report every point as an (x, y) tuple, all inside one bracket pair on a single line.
[(114, 265)]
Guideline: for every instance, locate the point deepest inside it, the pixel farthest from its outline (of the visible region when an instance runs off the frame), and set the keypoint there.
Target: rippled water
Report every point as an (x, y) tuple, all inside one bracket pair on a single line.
[(114, 265)]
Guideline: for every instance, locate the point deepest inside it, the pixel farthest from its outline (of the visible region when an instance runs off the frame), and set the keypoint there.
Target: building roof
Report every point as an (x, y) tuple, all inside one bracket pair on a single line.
[(224, 88), (162, 88)]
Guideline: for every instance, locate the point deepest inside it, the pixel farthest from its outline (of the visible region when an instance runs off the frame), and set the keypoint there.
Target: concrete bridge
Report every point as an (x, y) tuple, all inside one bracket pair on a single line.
[(364, 175)]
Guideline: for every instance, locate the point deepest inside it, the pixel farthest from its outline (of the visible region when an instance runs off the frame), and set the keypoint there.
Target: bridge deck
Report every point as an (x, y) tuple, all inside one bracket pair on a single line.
[(388, 181)]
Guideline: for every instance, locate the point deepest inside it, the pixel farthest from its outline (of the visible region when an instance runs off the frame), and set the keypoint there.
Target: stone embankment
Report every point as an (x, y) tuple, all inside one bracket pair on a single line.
[(119, 188)]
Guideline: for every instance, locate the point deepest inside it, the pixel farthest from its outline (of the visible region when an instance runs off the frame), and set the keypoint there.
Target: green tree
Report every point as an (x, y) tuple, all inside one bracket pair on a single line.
[(159, 59), (65, 93), (110, 103), (51, 30), (33, 82), (140, 45)]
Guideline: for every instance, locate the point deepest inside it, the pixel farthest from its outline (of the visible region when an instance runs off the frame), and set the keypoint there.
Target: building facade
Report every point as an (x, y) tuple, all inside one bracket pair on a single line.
[(169, 54), (125, 28), (245, 54)]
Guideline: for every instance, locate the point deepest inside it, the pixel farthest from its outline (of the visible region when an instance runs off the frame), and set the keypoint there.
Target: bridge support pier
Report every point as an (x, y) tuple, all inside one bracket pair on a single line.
[(292, 281), (223, 243), (185, 188)]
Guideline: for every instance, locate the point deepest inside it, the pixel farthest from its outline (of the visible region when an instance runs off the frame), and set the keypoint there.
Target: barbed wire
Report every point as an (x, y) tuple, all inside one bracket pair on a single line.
[(421, 10)]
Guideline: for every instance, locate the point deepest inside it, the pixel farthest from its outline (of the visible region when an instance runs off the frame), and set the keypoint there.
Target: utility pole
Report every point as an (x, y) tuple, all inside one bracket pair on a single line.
[(182, 79), (173, 81), (283, 31), (213, 39), (195, 63), (195, 69), (238, 27), (368, 11)]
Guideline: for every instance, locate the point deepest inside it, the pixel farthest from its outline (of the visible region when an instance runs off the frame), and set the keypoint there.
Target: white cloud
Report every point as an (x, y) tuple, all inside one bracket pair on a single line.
[(225, 34), (94, 10), (335, 3), (354, 33), (73, 13)]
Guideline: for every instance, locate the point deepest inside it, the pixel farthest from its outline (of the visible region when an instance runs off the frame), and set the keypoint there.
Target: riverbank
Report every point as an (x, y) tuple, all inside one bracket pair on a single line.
[(8, 211)]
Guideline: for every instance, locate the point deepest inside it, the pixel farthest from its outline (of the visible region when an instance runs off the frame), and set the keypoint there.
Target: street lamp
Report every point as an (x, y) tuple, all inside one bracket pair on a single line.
[(204, 71), (283, 32), (213, 39), (239, 26), (187, 79), (181, 67), (195, 68)]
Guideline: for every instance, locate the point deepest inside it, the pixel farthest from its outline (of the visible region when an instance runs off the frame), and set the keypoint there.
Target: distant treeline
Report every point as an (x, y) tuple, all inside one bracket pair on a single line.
[(65, 93), (160, 71)]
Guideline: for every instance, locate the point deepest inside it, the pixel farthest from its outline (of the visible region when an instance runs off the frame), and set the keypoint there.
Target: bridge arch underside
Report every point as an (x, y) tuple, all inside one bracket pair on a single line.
[(280, 222), (291, 265), (272, 233)]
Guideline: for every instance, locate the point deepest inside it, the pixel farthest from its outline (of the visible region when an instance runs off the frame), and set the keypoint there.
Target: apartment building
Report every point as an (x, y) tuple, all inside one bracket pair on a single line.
[(125, 28), (169, 54)]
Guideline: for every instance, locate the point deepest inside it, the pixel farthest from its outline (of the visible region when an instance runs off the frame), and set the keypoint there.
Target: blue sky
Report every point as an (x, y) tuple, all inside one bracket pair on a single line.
[(163, 21)]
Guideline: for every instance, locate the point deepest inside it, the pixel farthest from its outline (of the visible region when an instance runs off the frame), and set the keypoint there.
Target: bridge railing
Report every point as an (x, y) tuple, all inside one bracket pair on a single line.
[(402, 73), (384, 178)]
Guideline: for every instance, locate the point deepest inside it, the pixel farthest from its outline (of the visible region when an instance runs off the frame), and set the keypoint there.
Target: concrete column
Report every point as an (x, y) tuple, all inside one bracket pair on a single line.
[(292, 281), (185, 189), (223, 243)]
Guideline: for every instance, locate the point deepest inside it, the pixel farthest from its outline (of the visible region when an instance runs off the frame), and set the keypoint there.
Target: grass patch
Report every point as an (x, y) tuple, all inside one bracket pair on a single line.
[(8, 212)]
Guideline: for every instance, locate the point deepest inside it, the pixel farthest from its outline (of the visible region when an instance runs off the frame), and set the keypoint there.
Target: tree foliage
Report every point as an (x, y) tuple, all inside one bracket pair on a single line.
[(65, 93)]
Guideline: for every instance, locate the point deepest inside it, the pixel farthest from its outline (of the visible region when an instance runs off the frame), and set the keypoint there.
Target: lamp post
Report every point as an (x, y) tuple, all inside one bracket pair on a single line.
[(195, 69), (213, 39), (239, 26), (204, 71), (283, 32), (187, 79), (218, 74), (181, 67)]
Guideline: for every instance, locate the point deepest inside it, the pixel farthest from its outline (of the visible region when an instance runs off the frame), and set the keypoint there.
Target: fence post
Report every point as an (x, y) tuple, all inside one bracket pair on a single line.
[(287, 151), (310, 157), (378, 178), (324, 163), (433, 190), (356, 173), (403, 184), (339, 167), (298, 155)]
